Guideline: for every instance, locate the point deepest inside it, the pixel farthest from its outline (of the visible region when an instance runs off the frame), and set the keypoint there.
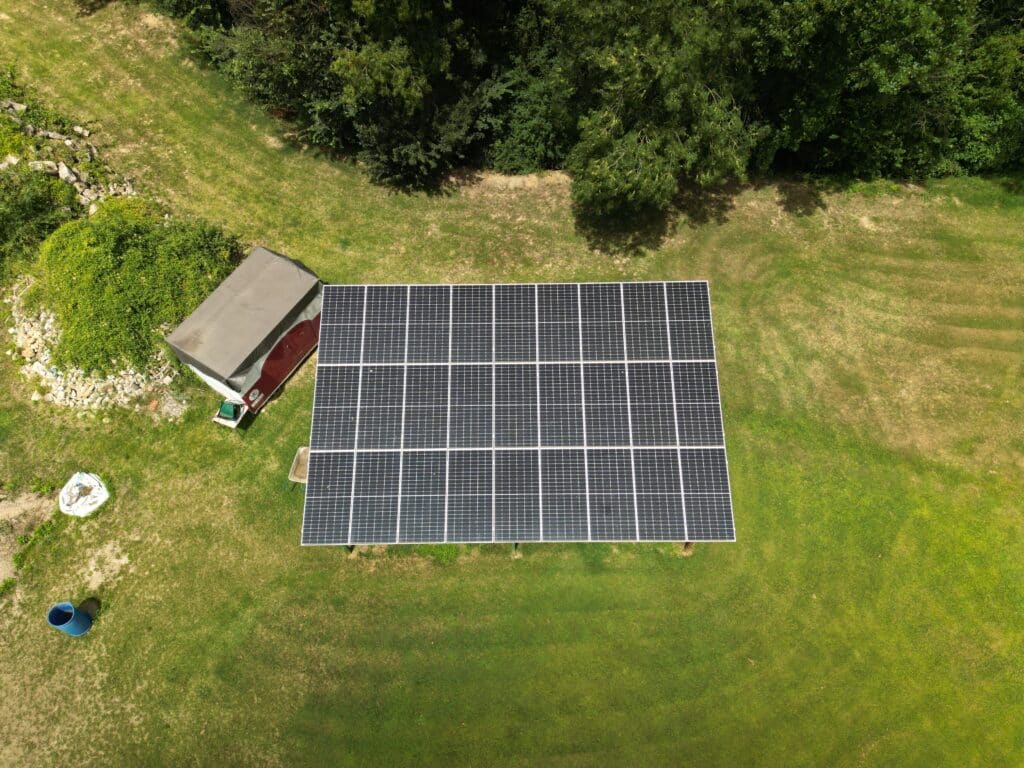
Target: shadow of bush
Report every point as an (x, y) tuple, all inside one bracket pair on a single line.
[(695, 206), (87, 7), (625, 235)]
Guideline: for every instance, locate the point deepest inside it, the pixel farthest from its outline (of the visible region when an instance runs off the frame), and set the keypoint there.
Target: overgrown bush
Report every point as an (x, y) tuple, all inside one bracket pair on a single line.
[(116, 279), (32, 205)]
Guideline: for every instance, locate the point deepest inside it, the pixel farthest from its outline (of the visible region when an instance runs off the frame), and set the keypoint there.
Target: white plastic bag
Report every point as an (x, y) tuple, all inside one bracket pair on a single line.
[(83, 494)]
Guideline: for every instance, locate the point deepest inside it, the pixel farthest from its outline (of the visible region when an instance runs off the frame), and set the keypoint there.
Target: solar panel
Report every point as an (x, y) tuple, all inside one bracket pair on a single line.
[(532, 412)]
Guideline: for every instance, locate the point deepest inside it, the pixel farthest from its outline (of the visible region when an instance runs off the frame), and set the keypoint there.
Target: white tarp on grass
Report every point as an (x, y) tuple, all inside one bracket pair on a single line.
[(83, 494)]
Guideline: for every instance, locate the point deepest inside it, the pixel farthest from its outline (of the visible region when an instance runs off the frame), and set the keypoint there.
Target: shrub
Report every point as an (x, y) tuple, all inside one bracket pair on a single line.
[(13, 141), (635, 173), (699, 92), (32, 206), (537, 127), (116, 279)]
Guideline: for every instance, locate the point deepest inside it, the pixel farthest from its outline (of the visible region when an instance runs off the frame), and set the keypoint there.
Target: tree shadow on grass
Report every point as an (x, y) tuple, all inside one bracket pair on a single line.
[(89, 7), (625, 236), (801, 197), (706, 205), (459, 178), (1014, 184), (695, 206), (646, 231)]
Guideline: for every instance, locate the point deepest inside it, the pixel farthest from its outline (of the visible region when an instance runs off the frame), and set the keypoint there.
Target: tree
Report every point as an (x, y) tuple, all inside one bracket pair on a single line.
[(634, 99)]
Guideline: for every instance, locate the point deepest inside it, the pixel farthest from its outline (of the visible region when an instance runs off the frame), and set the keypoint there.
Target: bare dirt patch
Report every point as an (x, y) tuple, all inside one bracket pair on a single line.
[(501, 182), (105, 565), (19, 515), (156, 21), (550, 188)]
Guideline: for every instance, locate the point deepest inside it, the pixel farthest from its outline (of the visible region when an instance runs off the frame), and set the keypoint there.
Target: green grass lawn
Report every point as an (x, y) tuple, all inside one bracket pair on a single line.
[(871, 350)]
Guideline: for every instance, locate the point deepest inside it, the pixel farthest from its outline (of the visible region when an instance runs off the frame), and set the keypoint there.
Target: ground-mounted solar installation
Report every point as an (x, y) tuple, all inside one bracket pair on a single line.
[(517, 413)]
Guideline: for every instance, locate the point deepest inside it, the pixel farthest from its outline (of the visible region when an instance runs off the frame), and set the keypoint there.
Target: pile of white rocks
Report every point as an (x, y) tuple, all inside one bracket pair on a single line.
[(35, 334), (90, 191)]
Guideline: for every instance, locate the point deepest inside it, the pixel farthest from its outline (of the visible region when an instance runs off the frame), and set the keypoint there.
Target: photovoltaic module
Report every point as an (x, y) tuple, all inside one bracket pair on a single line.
[(516, 413)]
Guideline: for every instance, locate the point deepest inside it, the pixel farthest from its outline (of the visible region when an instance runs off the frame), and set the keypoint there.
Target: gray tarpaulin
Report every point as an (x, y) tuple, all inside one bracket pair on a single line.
[(245, 315)]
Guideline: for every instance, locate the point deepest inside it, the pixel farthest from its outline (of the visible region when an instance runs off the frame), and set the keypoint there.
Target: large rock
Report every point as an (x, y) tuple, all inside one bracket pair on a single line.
[(66, 174), (12, 106), (45, 166)]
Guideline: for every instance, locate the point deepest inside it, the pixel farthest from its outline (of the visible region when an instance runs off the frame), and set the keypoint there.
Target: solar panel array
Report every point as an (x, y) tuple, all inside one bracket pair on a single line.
[(533, 412)]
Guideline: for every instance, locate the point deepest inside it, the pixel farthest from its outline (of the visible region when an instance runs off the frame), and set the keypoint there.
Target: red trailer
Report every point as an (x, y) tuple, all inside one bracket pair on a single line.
[(248, 337)]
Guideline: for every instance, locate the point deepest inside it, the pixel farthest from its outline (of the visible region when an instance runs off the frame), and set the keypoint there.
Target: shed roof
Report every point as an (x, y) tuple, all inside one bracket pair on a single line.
[(222, 334)]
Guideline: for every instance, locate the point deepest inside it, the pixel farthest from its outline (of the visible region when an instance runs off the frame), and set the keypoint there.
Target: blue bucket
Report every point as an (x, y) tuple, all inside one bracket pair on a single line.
[(69, 620)]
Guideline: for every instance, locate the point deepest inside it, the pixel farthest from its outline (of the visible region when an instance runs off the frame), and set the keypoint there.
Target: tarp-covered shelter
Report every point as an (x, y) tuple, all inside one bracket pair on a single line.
[(254, 330)]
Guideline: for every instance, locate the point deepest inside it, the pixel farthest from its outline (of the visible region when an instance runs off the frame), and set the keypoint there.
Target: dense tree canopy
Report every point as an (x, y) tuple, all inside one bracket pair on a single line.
[(634, 99)]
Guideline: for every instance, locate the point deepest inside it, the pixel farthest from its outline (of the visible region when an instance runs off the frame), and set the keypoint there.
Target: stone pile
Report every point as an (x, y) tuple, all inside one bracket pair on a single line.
[(90, 191), (34, 336)]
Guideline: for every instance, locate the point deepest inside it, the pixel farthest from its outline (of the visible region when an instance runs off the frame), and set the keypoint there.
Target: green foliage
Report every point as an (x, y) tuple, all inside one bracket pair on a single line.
[(861, 88), (32, 205), (634, 99), (992, 119), (7, 586), (44, 532), (536, 124), (13, 141), (407, 86), (195, 12), (37, 114), (616, 172), (116, 279)]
